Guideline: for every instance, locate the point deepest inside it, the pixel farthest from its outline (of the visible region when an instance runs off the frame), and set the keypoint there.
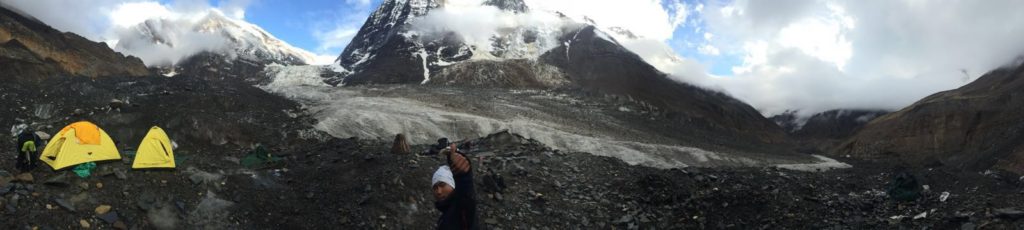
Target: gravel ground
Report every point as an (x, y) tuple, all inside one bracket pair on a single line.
[(329, 183)]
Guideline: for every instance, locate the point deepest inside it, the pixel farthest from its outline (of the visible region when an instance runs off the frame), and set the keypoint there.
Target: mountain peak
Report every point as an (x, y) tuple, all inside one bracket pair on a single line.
[(214, 20), (517, 6), (169, 41)]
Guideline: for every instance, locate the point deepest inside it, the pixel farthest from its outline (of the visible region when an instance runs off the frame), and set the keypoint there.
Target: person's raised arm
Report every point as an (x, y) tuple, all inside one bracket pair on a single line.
[(458, 162), (463, 172)]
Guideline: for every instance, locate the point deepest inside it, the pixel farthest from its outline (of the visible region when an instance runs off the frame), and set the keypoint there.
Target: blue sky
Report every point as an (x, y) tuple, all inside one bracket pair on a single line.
[(687, 39), (290, 20), (297, 22)]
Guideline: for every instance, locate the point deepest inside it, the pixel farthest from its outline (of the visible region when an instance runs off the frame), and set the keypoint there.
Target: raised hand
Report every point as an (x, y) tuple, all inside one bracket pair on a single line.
[(459, 163)]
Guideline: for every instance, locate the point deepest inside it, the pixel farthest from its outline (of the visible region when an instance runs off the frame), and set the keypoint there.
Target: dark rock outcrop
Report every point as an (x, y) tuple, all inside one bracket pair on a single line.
[(212, 65), (22, 64), (977, 126), (596, 64), (509, 73), (33, 51), (380, 40)]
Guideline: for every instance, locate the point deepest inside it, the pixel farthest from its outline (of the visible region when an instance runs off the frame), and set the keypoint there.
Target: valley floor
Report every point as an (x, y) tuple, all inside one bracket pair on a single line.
[(353, 184), (323, 182)]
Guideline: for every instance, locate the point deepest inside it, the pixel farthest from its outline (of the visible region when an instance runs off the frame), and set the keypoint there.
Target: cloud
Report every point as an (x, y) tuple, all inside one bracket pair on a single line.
[(129, 14), (334, 29), (488, 22), (358, 3), (646, 18), (99, 19), (163, 35), (235, 8), (324, 59), (88, 20), (336, 38), (679, 13), (816, 55), (175, 40), (821, 38), (709, 50), (790, 77)]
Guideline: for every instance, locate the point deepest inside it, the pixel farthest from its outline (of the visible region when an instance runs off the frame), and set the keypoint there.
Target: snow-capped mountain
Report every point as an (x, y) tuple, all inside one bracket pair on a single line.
[(405, 36), (432, 42), (208, 44), (431, 39)]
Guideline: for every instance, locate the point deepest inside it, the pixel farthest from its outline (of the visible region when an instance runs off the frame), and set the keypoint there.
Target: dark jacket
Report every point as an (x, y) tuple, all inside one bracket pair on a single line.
[(28, 136), (459, 210), (27, 160)]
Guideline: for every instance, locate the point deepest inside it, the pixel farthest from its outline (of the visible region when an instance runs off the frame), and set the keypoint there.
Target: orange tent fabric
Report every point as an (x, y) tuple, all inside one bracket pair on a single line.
[(87, 133)]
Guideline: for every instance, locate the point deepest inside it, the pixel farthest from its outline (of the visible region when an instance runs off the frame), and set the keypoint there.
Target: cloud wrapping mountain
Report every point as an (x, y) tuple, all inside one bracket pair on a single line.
[(166, 41), (484, 34)]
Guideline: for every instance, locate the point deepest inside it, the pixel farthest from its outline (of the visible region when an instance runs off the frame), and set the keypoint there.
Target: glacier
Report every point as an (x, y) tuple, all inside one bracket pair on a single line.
[(426, 113)]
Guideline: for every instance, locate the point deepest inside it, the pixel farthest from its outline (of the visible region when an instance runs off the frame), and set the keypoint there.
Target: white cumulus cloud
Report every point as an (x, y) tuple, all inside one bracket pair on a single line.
[(646, 18), (817, 55), (709, 50)]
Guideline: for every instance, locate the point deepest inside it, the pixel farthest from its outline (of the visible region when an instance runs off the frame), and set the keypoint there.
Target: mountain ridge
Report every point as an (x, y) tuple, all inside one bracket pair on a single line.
[(976, 126), (33, 50)]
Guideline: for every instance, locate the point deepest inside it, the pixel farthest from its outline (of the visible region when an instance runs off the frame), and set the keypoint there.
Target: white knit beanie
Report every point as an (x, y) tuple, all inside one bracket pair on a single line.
[(443, 174)]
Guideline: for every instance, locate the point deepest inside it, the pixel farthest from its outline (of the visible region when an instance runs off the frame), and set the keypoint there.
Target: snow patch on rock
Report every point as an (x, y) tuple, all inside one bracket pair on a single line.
[(605, 36), (426, 66), (825, 164)]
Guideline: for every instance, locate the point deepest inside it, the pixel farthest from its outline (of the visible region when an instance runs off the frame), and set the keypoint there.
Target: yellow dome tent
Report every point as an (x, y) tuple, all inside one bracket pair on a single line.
[(77, 143), (155, 151)]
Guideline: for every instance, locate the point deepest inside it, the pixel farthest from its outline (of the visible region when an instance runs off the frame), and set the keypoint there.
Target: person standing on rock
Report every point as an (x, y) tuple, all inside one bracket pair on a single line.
[(28, 150), (453, 192)]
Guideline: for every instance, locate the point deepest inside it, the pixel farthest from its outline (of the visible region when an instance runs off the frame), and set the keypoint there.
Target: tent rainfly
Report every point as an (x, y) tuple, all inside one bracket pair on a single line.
[(155, 151), (78, 143)]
